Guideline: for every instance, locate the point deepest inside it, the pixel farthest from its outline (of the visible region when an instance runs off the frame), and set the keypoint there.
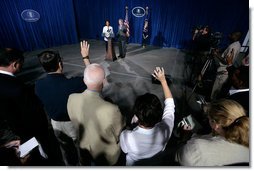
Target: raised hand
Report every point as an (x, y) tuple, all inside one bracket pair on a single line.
[(159, 74), (84, 46)]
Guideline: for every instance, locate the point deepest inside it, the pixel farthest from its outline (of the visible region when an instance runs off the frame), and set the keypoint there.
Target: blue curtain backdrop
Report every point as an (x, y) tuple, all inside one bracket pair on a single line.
[(56, 25), (68, 21), (171, 21)]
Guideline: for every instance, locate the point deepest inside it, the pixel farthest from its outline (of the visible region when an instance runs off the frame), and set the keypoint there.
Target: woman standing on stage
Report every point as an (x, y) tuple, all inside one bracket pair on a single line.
[(107, 33)]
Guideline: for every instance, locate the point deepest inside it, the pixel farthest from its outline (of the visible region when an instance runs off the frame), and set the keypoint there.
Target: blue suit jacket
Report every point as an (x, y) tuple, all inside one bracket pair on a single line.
[(54, 91)]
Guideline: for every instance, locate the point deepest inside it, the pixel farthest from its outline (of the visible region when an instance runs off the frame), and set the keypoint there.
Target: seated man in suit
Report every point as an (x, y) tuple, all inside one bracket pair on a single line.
[(54, 91), (99, 122)]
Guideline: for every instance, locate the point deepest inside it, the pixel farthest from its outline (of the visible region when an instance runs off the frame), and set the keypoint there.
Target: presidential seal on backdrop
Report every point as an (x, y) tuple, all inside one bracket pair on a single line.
[(138, 11), (30, 15)]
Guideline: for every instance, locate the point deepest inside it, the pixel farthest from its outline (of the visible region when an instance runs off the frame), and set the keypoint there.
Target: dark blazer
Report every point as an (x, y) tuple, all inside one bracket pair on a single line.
[(121, 34), (54, 91), (243, 99), (21, 109)]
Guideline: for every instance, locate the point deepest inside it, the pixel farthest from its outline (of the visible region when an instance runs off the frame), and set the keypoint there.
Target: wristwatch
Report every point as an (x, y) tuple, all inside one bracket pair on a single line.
[(86, 57)]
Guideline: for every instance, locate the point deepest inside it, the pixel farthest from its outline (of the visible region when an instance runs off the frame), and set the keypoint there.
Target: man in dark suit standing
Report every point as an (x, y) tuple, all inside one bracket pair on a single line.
[(20, 108), (122, 38)]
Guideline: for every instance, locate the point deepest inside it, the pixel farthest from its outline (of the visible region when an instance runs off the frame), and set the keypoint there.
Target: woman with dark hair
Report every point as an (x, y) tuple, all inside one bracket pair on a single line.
[(228, 144), (154, 125)]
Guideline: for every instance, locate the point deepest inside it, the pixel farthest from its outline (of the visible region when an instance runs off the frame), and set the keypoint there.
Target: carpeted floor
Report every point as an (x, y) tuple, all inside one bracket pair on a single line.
[(128, 77)]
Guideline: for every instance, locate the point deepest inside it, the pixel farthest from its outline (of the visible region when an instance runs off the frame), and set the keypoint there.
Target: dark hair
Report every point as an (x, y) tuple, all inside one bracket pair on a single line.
[(50, 60), (148, 109), (9, 55), (235, 36), (244, 75)]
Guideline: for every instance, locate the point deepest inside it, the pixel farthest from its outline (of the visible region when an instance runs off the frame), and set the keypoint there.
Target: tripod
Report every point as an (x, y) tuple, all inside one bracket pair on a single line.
[(207, 64)]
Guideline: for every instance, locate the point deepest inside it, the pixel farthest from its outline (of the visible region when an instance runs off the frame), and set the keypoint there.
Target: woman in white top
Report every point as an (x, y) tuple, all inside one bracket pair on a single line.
[(228, 144), (107, 33), (154, 125)]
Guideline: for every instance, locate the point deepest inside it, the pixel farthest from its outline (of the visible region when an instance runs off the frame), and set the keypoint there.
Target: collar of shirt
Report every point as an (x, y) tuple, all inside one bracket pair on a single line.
[(7, 73), (231, 92)]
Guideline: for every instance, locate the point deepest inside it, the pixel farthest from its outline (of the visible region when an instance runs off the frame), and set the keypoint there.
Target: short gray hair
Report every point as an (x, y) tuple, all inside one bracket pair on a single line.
[(94, 74)]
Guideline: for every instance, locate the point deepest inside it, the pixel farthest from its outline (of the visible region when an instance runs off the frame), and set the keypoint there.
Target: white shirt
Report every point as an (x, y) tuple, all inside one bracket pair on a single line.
[(141, 143), (7, 73), (107, 31), (233, 91)]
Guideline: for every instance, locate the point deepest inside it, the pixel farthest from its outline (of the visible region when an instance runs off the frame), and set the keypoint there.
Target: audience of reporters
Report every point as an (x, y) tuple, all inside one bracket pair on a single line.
[(77, 109)]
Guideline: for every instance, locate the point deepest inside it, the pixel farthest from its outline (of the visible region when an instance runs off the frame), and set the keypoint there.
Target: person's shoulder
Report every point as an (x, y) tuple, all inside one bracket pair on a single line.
[(75, 97), (127, 133), (8, 81), (110, 107), (76, 79), (40, 80)]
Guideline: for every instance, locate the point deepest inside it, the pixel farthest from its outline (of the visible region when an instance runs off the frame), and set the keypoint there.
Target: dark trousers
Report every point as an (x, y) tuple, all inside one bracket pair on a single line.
[(122, 48), (106, 44)]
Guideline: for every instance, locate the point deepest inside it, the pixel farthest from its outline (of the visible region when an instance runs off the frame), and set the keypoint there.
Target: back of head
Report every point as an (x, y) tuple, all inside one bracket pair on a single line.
[(148, 109), (240, 77), (231, 116), (50, 60), (9, 55), (94, 75), (235, 36)]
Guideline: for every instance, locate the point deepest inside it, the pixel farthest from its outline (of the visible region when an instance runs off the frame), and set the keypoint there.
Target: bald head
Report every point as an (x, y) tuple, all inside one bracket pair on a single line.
[(94, 76)]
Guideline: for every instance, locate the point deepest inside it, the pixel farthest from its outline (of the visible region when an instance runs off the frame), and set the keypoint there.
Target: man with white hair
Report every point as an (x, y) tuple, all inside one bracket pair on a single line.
[(98, 122)]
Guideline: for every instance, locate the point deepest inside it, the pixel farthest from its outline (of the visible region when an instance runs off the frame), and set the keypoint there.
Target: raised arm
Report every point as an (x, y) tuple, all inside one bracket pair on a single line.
[(159, 74), (84, 46)]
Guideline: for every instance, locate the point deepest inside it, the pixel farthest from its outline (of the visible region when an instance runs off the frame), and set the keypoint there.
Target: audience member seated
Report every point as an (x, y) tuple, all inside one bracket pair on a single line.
[(20, 108), (228, 144), (54, 91), (98, 122), (154, 128)]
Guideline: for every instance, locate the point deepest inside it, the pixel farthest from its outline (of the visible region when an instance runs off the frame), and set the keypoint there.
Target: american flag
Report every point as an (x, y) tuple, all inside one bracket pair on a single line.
[(126, 22)]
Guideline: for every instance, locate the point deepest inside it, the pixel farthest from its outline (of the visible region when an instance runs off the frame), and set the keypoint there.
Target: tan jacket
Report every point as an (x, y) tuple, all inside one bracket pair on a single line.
[(99, 124)]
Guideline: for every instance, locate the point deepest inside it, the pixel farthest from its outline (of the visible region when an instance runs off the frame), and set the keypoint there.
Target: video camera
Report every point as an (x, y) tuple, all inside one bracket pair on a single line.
[(216, 39)]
